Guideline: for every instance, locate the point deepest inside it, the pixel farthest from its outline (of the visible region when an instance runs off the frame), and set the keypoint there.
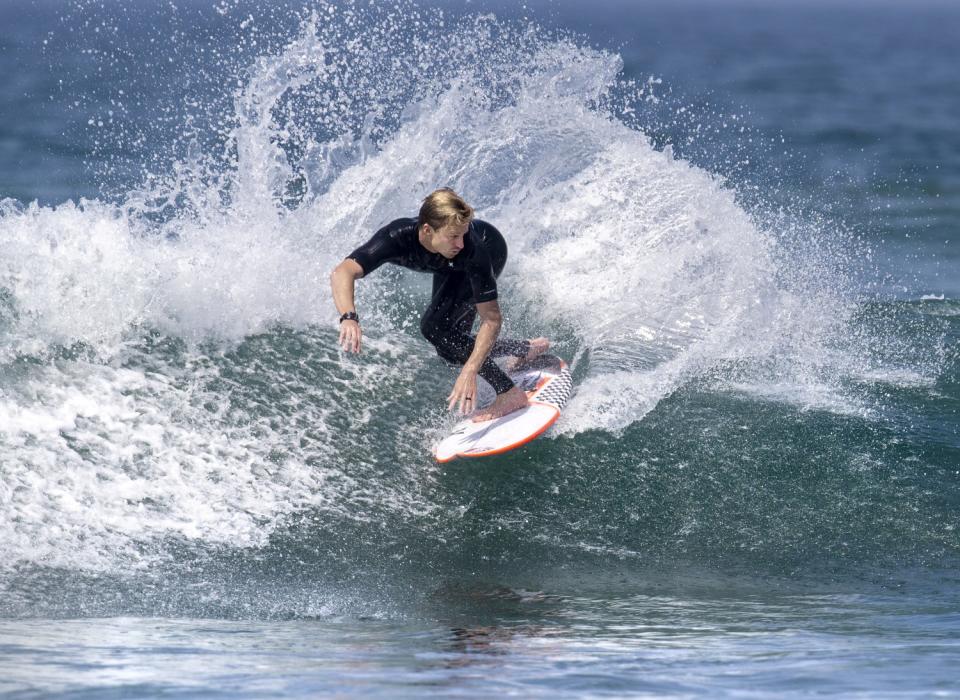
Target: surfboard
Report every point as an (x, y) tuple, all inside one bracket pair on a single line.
[(548, 384)]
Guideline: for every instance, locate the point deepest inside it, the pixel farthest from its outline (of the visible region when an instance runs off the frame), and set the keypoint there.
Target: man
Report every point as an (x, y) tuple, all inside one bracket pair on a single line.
[(466, 256)]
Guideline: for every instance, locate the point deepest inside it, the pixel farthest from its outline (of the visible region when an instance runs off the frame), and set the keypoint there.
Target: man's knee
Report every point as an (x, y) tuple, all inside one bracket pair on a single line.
[(436, 335), (452, 346), (430, 329)]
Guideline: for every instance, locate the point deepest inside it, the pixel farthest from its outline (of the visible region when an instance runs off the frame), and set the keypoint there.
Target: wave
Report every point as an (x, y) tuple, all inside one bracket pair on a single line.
[(170, 373)]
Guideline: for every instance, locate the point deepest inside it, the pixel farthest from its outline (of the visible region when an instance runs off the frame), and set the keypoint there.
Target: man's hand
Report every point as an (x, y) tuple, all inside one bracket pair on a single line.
[(342, 281), (464, 392), (350, 335)]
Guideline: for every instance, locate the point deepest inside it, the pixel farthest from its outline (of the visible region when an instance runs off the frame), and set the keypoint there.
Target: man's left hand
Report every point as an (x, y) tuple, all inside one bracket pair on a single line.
[(464, 392)]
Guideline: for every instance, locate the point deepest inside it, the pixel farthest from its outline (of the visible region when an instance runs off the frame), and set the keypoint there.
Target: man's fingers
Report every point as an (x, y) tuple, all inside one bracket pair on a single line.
[(463, 395), (466, 404), (459, 400), (350, 339)]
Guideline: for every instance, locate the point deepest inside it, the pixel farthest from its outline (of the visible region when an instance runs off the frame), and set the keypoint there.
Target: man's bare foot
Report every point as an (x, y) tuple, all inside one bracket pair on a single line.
[(538, 346), (507, 402)]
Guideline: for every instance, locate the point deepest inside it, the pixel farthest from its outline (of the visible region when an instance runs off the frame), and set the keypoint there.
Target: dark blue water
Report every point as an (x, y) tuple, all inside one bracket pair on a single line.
[(737, 221)]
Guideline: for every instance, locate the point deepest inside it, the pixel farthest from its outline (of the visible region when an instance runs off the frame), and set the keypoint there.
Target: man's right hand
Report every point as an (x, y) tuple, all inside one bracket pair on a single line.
[(350, 336), (342, 280)]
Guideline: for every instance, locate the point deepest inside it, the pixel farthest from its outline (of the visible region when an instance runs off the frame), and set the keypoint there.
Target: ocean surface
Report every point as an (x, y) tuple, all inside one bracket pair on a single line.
[(739, 222)]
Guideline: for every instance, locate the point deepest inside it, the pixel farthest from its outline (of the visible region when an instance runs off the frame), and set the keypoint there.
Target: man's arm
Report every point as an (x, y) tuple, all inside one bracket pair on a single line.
[(342, 284), (465, 388)]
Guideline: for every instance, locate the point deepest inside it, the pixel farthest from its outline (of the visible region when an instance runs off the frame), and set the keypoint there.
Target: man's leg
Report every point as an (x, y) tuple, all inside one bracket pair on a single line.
[(519, 350), (448, 321)]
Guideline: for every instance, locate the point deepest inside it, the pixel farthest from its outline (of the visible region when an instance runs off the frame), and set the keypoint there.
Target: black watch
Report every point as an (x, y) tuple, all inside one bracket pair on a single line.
[(350, 316)]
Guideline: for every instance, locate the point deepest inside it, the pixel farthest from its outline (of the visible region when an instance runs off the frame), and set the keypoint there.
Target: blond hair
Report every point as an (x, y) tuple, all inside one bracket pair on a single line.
[(443, 208)]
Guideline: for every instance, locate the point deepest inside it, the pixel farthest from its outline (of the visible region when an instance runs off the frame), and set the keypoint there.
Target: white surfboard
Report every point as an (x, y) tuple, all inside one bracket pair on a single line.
[(547, 382)]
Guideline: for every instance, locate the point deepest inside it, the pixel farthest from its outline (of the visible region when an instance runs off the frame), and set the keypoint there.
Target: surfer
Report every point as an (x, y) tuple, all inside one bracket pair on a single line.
[(465, 255)]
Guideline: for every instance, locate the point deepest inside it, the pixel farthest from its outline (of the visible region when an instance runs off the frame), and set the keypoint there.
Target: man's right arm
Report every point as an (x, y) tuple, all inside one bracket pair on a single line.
[(381, 248), (342, 284)]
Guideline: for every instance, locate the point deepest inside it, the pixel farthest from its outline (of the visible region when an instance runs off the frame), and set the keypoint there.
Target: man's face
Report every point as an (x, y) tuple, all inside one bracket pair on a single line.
[(448, 241)]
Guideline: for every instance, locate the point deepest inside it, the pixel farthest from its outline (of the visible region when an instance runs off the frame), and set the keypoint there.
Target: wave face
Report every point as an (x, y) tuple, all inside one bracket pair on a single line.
[(178, 425)]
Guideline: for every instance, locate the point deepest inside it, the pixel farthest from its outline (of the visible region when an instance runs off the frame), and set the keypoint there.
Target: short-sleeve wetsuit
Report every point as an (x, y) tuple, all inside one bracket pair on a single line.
[(459, 284)]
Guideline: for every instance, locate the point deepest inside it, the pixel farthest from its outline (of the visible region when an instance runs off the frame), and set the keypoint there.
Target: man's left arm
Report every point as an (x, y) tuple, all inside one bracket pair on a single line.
[(465, 388)]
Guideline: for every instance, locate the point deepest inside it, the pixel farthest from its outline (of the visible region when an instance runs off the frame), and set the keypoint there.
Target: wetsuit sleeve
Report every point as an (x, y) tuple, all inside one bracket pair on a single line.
[(488, 255), (482, 280), (381, 248)]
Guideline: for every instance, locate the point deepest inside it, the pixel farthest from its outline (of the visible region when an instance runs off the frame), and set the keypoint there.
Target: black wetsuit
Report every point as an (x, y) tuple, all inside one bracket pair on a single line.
[(459, 284)]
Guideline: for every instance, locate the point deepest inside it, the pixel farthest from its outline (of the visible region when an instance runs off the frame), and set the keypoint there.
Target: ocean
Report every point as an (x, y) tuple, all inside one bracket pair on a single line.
[(738, 221)]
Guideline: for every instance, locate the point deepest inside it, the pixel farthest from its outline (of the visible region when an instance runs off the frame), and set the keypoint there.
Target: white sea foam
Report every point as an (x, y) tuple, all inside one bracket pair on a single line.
[(99, 461)]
